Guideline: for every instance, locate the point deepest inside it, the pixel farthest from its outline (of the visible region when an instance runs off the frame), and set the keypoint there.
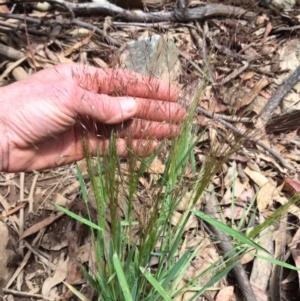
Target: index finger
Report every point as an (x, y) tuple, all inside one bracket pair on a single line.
[(117, 82)]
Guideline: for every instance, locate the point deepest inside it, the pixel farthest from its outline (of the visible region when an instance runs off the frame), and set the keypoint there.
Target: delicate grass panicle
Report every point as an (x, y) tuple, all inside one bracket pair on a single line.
[(140, 253)]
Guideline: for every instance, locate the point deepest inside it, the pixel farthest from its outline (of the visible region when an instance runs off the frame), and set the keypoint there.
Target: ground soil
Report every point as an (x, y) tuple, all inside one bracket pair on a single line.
[(52, 184)]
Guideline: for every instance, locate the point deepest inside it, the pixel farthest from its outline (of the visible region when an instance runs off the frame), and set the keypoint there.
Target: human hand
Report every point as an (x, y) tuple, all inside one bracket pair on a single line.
[(43, 118)]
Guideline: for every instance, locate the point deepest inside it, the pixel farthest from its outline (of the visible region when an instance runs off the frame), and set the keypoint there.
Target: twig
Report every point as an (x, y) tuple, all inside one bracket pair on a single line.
[(226, 50), (275, 154), (276, 276), (14, 220), (25, 260), (73, 19), (29, 46), (180, 14), (23, 294), (21, 229), (11, 53), (42, 258), (279, 94), (86, 25), (235, 73), (234, 119), (13, 210), (226, 246), (30, 198), (188, 58)]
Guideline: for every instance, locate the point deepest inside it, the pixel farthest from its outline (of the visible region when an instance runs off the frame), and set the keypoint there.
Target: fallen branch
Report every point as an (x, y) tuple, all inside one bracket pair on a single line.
[(226, 246), (180, 14), (279, 94), (275, 154)]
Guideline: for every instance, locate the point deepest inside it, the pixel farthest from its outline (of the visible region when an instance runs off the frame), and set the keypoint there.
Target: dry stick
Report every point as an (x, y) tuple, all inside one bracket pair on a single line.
[(21, 230), (40, 256), (234, 119), (180, 13), (226, 246), (189, 59), (11, 53), (25, 259), (275, 154), (14, 27), (13, 219), (276, 276), (73, 19), (84, 24), (28, 295), (235, 73), (30, 198), (279, 94)]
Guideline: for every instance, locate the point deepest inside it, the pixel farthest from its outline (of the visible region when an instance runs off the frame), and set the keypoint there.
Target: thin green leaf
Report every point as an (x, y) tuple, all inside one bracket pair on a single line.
[(177, 267), (277, 262), (163, 293), (213, 280), (76, 292), (240, 237), (122, 278), (78, 217)]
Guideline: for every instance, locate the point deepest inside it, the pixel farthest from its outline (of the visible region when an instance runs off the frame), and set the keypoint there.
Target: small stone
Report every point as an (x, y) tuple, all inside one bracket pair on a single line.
[(154, 56)]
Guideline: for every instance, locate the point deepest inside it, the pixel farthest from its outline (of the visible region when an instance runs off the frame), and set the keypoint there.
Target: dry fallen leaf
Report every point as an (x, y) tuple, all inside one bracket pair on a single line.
[(58, 276), (42, 224), (265, 196), (226, 294), (256, 176), (261, 271)]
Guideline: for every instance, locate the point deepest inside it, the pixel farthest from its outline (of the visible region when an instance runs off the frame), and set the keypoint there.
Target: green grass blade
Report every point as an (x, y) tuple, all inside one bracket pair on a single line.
[(94, 284), (277, 262), (78, 217), (275, 217), (163, 293), (213, 280), (240, 237), (121, 278), (81, 296), (177, 267)]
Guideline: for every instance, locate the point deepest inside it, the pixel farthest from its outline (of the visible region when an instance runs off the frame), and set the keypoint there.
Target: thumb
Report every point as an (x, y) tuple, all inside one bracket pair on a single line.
[(104, 108)]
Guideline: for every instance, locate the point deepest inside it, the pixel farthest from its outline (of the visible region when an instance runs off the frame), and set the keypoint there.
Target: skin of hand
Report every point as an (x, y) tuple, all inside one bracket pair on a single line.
[(44, 117)]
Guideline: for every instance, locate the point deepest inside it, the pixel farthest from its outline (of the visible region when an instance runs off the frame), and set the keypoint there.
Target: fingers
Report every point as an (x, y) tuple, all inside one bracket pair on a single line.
[(141, 148), (138, 129), (113, 110), (45, 157), (160, 111), (120, 83), (103, 108)]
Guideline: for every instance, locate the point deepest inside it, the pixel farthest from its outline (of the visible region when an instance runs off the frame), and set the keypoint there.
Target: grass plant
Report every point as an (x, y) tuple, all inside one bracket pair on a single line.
[(124, 268)]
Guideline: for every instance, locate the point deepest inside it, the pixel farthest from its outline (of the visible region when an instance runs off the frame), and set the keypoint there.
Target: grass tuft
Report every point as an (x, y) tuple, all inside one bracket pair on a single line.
[(141, 255)]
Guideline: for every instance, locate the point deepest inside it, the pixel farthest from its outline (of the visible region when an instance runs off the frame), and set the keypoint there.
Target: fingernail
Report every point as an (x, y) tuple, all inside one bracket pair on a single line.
[(128, 105)]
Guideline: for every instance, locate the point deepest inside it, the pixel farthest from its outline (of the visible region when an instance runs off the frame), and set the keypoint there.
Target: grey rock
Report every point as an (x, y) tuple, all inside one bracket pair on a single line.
[(154, 56)]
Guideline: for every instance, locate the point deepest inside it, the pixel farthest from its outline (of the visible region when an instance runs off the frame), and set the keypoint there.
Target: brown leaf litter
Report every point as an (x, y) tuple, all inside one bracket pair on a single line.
[(245, 51)]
